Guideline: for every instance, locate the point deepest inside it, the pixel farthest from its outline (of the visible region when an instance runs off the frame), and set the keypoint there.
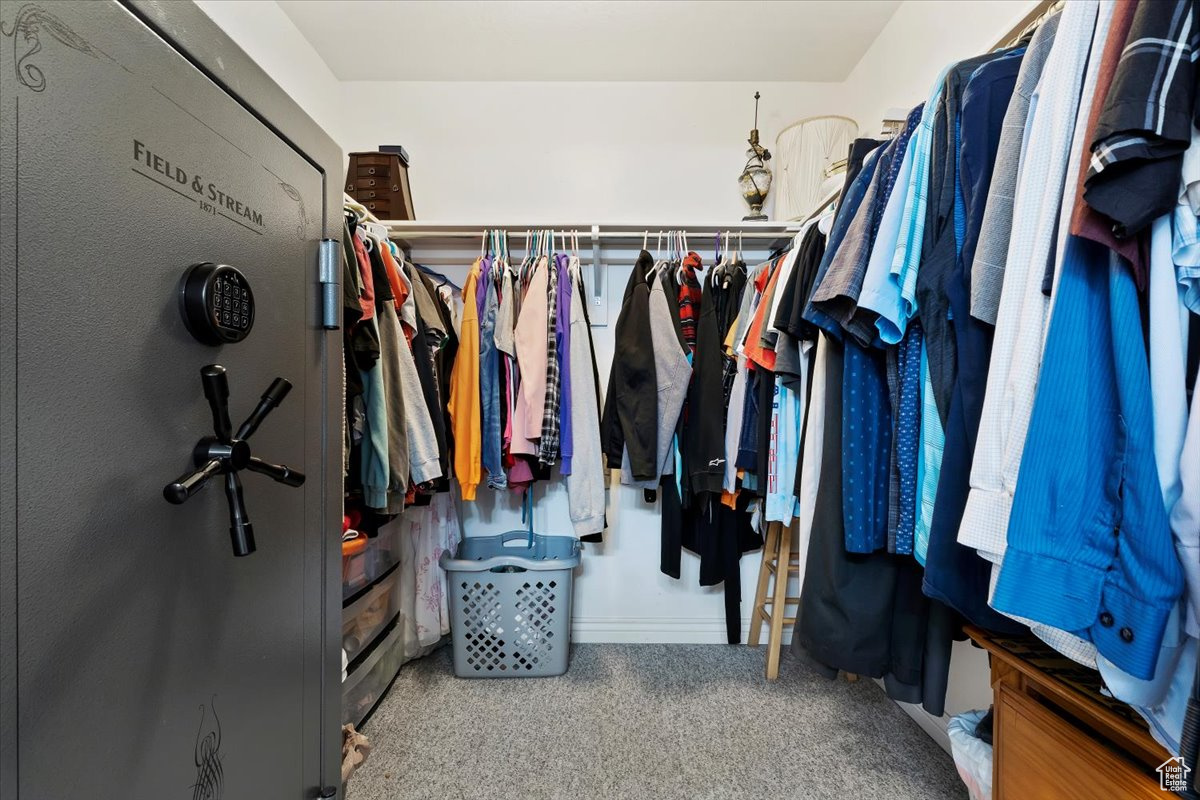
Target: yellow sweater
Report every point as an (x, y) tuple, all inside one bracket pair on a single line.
[(464, 393)]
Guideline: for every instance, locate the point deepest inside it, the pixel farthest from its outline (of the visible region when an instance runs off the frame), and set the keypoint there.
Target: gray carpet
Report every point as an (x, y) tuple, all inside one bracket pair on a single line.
[(669, 722)]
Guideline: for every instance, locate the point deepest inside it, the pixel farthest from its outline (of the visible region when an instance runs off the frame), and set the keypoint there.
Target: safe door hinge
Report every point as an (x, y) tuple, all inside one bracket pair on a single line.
[(329, 274)]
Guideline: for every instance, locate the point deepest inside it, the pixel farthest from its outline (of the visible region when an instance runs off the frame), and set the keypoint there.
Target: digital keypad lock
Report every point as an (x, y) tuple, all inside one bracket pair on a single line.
[(216, 302)]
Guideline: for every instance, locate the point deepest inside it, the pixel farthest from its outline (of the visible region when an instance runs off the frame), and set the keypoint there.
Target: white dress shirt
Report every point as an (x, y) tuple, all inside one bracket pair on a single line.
[(1024, 310), (1051, 155)]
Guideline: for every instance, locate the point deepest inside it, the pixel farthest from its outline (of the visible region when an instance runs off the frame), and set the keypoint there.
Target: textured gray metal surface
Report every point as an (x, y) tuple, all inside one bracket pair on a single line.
[(139, 658)]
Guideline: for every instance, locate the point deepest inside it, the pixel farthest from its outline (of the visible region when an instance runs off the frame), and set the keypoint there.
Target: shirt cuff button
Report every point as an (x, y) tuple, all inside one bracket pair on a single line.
[(1106, 619), (1126, 635)]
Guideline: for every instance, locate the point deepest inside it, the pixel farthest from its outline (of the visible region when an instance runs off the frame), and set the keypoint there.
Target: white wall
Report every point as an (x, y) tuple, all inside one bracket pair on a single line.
[(271, 38), (657, 152), (922, 37)]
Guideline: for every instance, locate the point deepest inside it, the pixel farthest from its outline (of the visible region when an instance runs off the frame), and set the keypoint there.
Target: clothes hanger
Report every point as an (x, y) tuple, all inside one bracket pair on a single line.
[(520, 270), (721, 270), (679, 255), (377, 232)]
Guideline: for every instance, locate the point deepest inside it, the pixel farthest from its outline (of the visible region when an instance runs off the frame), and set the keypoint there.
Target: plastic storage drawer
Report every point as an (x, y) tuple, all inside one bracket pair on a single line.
[(364, 568), (366, 684), (363, 619)]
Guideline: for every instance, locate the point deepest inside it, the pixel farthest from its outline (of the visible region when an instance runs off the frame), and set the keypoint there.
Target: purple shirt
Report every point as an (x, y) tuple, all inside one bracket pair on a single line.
[(485, 275), (562, 333)]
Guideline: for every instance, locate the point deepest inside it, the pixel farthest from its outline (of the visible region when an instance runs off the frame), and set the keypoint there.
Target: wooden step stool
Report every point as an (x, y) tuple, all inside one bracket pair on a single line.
[(776, 551)]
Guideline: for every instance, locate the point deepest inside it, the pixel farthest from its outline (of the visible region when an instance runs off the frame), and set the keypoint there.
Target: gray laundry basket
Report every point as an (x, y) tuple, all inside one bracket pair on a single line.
[(510, 604)]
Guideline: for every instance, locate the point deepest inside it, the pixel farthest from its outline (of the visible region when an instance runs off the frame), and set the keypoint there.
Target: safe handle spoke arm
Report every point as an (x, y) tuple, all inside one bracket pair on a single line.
[(228, 454)]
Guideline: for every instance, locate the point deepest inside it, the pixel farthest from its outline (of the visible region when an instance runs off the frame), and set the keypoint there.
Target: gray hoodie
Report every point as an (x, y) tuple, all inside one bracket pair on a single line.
[(585, 484), (673, 372), (424, 456)]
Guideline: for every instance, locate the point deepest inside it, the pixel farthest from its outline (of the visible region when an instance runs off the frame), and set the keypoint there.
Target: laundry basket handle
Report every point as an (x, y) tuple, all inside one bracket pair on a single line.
[(512, 536)]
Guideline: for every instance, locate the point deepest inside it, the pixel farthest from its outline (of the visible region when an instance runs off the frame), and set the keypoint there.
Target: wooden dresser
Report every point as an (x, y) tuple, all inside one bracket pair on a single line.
[(1056, 737)]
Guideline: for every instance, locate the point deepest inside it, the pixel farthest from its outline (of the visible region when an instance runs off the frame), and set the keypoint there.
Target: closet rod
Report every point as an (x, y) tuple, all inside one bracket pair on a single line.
[(607, 235)]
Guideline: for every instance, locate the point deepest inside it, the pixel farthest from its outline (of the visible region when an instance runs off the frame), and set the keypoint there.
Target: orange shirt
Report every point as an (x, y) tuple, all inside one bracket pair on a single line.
[(465, 410), (755, 352)]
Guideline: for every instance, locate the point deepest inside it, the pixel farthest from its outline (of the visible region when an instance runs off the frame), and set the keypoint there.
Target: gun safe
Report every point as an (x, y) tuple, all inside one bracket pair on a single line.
[(169, 574)]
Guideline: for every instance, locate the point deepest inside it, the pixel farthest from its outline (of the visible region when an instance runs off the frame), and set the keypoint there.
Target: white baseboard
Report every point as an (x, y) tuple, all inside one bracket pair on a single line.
[(934, 726), (654, 630)]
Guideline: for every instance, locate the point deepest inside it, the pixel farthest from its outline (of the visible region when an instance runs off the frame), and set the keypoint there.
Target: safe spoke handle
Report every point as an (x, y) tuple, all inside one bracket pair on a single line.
[(278, 472), (270, 399), (241, 532), (228, 454), (177, 492), (216, 391)]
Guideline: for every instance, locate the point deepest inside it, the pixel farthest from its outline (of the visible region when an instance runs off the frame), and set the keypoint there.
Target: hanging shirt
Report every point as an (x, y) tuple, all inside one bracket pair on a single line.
[(562, 333), (910, 360), (785, 455), (907, 256), (1021, 317), (852, 198), (585, 481), (531, 342), (1087, 221), (1146, 125), (464, 394), (690, 293), (753, 347), (880, 295), (549, 442), (991, 255), (867, 442)]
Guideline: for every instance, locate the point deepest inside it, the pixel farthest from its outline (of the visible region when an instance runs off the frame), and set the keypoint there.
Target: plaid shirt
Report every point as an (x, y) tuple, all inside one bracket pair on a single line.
[(690, 294), (548, 446), (1146, 125)]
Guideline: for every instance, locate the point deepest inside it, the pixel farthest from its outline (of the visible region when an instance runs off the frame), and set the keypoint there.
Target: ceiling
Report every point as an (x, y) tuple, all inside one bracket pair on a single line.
[(590, 40)]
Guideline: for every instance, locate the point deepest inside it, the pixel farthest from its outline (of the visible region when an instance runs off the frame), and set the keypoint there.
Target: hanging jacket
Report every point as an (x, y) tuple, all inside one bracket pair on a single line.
[(391, 341), (585, 482), (705, 453), (673, 371), (423, 453), (465, 410), (630, 407), (425, 352), (445, 329)]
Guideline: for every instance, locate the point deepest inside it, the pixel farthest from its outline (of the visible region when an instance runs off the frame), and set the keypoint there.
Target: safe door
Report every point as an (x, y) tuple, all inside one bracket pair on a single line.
[(144, 653)]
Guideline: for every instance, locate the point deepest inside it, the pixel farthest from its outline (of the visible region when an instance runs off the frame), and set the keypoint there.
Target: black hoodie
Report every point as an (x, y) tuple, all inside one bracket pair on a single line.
[(630, 419)]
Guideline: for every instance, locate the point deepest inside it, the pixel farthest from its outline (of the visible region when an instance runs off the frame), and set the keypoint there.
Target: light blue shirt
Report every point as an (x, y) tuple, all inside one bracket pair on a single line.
[(929, 461), (1162, 700), (785, 443), (880, 290), (1186, 247), (907, 256)]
